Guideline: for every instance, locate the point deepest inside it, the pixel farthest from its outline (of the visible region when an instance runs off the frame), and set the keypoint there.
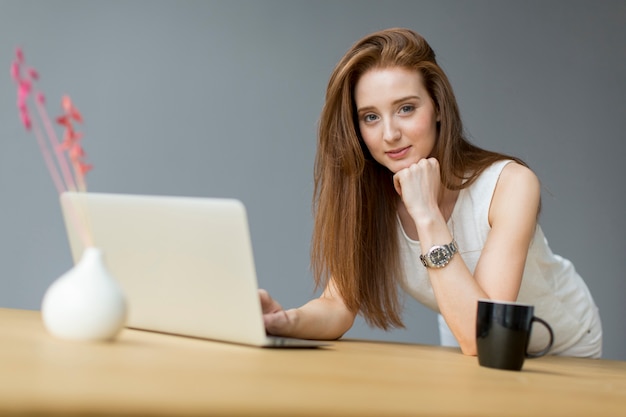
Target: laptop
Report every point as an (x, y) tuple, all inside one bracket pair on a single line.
[(185, 263)]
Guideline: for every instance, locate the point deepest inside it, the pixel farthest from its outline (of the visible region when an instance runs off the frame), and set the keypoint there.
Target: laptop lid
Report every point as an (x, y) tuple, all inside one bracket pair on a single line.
[(185, 263)]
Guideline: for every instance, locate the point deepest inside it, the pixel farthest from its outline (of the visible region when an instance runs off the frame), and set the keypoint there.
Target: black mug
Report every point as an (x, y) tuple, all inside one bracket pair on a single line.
[(503, 333)]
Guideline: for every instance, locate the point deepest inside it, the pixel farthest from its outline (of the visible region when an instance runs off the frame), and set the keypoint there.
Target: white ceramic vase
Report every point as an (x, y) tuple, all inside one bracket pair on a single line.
[(86, 303)]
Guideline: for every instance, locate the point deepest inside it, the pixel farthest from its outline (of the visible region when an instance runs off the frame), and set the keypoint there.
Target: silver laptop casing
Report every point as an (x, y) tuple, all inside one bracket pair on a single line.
[(185, 263)]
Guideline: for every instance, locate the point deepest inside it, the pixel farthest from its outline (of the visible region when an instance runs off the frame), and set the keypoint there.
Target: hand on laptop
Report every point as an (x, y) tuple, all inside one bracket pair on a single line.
[(323, 318), (277, 320)]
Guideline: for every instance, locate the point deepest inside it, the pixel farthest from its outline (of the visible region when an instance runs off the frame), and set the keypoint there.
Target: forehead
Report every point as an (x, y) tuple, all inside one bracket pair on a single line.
[(380, 83)]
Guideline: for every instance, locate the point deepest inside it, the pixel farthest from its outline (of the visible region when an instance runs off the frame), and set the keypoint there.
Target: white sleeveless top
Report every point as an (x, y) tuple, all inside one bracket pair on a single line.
[(550, 282)]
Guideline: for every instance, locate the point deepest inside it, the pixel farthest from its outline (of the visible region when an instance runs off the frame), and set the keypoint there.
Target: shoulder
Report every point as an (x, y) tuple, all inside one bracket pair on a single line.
[(515, 175), (503, 174), (518, 190)]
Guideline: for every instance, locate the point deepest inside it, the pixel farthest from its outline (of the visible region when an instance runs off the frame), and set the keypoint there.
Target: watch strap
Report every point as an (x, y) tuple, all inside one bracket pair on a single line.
[(441, 253)]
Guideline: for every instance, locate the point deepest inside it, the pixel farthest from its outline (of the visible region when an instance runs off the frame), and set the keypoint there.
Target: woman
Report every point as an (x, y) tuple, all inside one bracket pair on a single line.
[(403, 199)]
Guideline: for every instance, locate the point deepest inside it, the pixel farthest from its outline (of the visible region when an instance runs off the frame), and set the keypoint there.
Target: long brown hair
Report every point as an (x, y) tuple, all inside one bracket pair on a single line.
[(355, 237)]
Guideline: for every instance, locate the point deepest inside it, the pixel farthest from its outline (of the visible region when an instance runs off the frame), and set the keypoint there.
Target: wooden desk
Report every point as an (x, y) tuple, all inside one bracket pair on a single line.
[(146, 373)]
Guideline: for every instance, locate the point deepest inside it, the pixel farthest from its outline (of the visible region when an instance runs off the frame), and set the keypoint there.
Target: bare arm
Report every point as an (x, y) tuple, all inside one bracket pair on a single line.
[(323, 318), (498, 274)]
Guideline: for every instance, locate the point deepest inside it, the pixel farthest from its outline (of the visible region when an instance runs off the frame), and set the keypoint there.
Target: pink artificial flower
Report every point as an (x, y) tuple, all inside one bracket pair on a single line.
[(28, 124), (70, 110), (41, 126), (76, 152), (24, 88), (25, 79), (71, 137), (32, 73), (15, 71), (19, 55), (84, 168)]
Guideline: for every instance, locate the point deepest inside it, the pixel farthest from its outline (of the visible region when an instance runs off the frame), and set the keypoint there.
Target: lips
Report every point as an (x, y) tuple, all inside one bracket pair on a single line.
[(398, 153)]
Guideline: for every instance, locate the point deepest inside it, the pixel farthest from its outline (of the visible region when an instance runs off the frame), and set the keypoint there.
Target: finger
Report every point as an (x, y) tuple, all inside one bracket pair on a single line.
[(399, 177), (268, 304), (276, 323), (397, 185), (264, 296), (266, 301), (433, 163)]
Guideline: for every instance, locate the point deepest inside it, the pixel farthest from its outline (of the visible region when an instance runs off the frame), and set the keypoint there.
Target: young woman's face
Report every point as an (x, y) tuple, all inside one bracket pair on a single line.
[(397, 117)]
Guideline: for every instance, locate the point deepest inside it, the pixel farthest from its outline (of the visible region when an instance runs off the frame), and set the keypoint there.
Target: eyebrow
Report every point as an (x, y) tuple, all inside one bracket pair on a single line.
[(400, 100)]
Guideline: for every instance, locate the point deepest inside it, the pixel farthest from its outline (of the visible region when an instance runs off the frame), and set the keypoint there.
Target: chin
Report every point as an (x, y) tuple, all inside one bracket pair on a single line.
[(396, 166), (399, 166)]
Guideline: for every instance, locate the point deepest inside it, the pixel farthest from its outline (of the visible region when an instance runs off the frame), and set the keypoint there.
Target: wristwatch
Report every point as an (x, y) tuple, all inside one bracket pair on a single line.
[(439, 256)]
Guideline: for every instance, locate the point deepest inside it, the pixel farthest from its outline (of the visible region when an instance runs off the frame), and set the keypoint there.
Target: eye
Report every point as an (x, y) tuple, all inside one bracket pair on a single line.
[(407, 108), (368, 118)]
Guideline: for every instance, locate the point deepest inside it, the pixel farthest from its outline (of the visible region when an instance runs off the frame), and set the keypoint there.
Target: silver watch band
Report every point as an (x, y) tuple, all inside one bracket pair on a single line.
[(439, 256)]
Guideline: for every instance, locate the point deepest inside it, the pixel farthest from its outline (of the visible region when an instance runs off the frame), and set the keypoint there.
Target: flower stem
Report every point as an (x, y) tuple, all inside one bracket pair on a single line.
[(56, 147), (58, 182)]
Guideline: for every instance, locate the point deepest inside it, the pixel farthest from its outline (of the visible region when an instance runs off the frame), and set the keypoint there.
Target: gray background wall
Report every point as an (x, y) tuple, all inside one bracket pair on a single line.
[(221, 98)]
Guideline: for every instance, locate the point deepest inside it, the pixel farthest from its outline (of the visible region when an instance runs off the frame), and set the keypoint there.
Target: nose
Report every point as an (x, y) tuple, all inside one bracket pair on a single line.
[(391, 131)]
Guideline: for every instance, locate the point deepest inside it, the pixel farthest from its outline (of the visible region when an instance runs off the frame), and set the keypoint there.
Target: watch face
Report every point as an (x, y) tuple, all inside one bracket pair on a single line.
[(439, 256)]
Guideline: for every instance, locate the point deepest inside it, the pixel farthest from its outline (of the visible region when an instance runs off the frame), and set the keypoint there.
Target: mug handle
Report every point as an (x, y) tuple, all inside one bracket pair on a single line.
[(547, 348)]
